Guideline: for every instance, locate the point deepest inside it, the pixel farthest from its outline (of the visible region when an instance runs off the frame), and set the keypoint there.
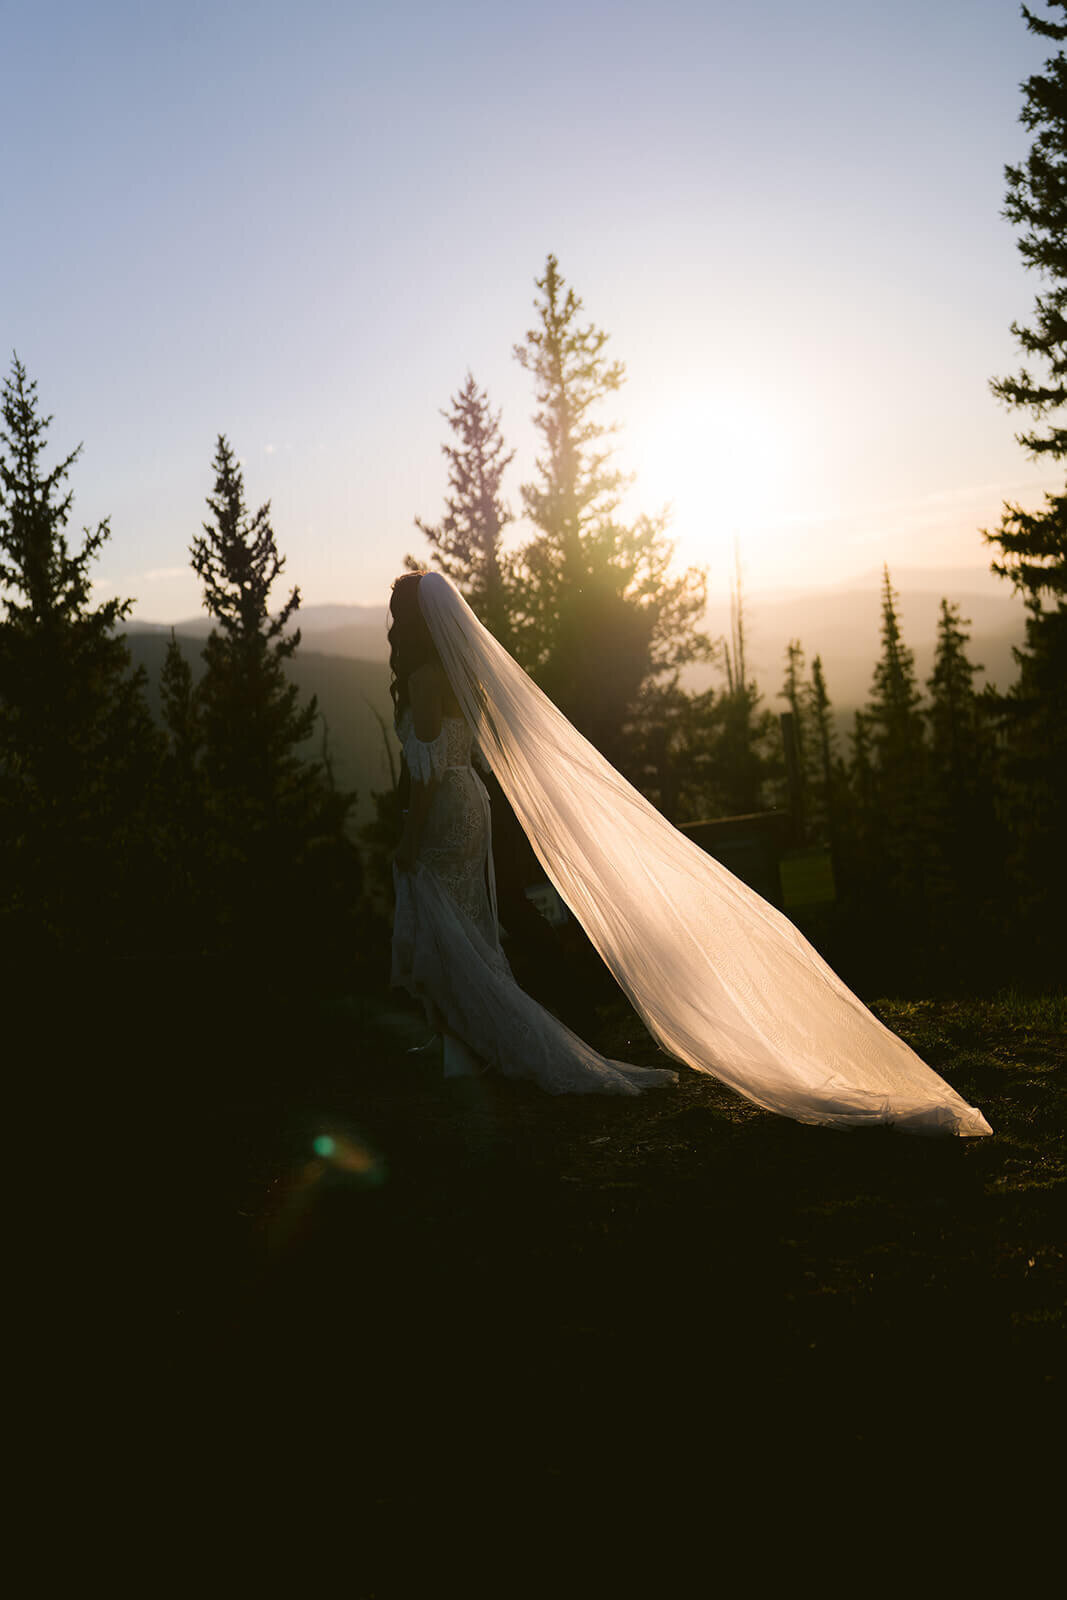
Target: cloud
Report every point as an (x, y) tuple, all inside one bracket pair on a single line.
[(155, 574)]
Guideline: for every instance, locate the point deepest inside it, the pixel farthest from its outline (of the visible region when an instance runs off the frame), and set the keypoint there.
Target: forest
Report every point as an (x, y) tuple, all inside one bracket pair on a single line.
[(233, 1133), (922, 852)]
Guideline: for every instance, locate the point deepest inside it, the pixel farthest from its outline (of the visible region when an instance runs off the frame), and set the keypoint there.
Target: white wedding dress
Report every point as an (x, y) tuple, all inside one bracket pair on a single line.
[(722, 980), (446, 939)]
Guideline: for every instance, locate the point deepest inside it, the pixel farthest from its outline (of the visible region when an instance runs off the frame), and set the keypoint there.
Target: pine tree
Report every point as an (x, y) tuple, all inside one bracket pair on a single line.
[(893, 709), (953, 712), (861, 769), (860, 864), (966, 888), (602, 619), (179, 713), (824, 767), (897, 817), (77, 749), (746, 749), (795, 693), (467, 542), (250, 715), (184, 863), (1033, 545), (269, 809), (1036, 202)]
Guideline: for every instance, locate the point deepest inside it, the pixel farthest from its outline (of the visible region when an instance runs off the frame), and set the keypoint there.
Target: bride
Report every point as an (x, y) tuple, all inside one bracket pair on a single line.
[(723, 981)]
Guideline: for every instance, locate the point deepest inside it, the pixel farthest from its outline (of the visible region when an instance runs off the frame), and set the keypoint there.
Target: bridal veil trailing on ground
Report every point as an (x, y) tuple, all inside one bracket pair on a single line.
[(724, 982)]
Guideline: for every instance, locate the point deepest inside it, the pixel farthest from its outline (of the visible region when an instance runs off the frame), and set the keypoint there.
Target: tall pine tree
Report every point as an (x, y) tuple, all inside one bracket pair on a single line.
[(77, 749), (274, 819), (467, 542), (794, 692), (898, 749), (604, 622), (1033, 545), (746, 746), (966, 889), (825, 771)]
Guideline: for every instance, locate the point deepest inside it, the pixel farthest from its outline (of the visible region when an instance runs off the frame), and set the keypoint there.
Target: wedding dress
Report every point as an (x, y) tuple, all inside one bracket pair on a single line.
[(723, 981), (446, 939)]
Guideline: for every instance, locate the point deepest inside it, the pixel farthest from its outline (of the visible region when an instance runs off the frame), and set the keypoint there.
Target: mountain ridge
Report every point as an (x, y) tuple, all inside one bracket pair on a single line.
[(343, 659)]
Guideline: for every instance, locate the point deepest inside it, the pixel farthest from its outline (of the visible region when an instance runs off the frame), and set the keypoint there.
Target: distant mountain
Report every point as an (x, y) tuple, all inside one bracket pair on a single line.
[(352, 694), (842, 624), (311, 620), (344, 654), (364, 641)]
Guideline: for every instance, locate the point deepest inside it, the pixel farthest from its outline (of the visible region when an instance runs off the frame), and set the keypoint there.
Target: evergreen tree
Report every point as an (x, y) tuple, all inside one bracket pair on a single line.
[(953, 712), (794, 692), (893, 710), (746, 750), (467, 541), (250, 717), (1033, 545), (896, 821), (179, 713), (860, 864), (274, 819), (77, 750), (1036, 202), (966, 868), (825, 771), (602, 620), (185, 812), (861, 768)]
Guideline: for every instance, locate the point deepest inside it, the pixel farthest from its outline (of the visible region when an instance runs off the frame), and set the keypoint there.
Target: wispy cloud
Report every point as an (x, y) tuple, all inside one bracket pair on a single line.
[(917, 510), (131, 579)]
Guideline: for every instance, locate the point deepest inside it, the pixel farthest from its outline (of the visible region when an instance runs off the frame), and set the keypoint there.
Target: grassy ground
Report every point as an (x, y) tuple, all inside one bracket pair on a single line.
[(438, 1255), (314, 1237)]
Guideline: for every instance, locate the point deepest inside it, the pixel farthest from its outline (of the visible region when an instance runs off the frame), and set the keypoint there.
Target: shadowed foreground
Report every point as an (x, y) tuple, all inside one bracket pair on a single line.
[(309, 1233)]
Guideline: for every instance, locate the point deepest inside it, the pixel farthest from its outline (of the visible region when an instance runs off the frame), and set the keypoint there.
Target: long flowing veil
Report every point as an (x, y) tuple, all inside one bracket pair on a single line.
[(723, 981)]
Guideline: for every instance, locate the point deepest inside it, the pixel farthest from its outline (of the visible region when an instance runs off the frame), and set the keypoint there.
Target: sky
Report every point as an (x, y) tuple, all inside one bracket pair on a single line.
[(302, 226)]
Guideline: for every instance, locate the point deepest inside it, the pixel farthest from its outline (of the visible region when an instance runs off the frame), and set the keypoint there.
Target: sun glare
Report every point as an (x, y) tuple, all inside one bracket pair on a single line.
[(729, 468)]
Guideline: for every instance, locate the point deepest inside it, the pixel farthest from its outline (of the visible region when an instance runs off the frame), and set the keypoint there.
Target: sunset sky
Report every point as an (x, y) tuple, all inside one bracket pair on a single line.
[(302, 225)]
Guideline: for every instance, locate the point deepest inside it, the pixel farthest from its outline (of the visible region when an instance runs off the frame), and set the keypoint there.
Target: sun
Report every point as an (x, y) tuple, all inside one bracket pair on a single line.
[(728, 463)]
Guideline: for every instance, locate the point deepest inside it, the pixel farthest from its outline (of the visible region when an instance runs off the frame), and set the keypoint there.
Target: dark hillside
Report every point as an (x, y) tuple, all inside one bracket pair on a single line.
[(349, 693)]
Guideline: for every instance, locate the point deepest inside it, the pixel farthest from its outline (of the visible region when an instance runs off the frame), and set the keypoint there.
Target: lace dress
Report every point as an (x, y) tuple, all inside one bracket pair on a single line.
[(446, 940)]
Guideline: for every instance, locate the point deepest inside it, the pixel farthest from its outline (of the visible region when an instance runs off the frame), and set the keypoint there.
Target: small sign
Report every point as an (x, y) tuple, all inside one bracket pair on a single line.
[(807, 878)]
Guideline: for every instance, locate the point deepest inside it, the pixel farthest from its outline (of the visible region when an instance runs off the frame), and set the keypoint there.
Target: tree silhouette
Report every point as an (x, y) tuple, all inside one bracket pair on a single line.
[(965, 885), (893, 709), (888, 843), (602, 619), (77, 749), (794, 692), (825, 771), (467, 541), (273, 817), (250, 717), (1033, 545), (953, 713), (746, 744)]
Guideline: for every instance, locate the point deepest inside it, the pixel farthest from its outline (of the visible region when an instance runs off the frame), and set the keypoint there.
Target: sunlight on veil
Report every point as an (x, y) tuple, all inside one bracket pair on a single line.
[(723, 981)]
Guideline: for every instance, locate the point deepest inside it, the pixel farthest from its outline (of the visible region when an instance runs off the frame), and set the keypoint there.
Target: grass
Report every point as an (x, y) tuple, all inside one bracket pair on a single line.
[(579, 1280)]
